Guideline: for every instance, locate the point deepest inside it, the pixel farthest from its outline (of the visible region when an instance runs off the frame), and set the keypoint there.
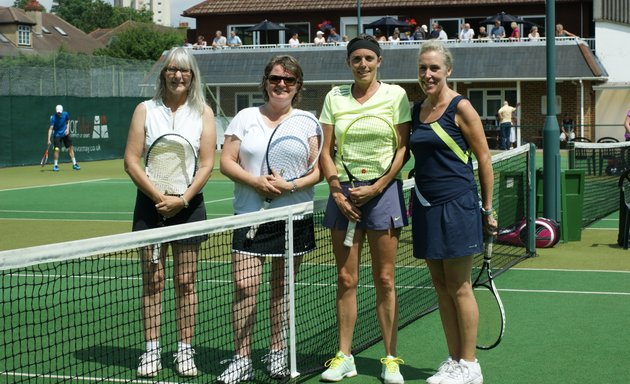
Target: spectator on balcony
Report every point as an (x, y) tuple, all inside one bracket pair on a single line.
[(419, 33), (219, 40), (201, 42), (435, 31), (516, 32), (497, 32), (466, 33), (319, 38), (483, 34), (394, 38), (441, 33), (294, 41), (234, 40), (333, 37), (378, 35), (561, 32), (533, 34)]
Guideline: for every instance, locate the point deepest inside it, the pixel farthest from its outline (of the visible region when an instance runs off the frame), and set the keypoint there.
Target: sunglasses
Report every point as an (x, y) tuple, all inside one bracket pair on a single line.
[(290, 81)]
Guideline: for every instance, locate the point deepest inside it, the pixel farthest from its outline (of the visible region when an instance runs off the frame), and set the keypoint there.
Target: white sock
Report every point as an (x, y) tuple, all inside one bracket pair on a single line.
[(74, 161), (153, 345), (181, 346), (56, 162)]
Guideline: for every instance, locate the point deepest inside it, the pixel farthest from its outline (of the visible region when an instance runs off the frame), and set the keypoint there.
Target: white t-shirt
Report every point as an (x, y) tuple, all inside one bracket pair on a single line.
[(250, 128)]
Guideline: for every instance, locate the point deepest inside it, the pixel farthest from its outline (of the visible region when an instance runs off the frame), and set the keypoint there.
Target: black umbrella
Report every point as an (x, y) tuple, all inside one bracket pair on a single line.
[(387, 22), (505, 18), (267, 26)]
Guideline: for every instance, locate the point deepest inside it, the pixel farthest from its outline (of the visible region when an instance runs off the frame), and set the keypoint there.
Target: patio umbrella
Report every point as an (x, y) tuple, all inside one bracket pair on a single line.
[(266, 26), (505, 18), (387, 22)]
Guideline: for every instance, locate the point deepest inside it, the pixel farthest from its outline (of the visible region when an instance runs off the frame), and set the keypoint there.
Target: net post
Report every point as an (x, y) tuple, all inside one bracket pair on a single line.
[(290, 295), (571, 148), (531, 201)]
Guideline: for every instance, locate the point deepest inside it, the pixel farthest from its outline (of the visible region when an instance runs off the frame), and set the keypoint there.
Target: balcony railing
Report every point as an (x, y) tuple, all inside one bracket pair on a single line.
[(411, 44)]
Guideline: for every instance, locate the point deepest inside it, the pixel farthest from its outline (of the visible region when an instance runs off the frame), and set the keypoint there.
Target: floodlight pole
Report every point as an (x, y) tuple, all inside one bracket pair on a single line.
[(359, 26), (551, 130)]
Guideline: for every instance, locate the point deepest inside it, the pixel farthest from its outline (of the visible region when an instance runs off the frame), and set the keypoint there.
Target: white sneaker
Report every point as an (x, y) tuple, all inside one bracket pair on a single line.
[(276, 363), (240, 369), (185, 363), (444, 368), (150, 364), (465, 372), (391, 370), (339, 367)]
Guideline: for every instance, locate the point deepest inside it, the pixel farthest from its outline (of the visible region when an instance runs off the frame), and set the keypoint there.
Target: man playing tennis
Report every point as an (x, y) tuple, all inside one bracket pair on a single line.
[(377, 206), (59, 132)]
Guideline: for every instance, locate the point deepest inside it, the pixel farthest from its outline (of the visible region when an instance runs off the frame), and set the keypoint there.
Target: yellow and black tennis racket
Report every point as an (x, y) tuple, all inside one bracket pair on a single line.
[(367, 149)]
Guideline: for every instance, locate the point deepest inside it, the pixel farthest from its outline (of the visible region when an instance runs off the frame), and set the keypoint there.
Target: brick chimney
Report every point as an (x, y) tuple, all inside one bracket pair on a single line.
[(34, 9)]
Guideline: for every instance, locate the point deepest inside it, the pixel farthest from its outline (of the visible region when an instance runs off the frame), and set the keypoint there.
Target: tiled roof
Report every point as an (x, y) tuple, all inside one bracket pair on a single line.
[(57, 34), (474, 62), (240, 6)]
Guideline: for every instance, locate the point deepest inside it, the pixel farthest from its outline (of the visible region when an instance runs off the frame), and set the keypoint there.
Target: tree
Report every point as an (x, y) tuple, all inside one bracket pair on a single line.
[(87, 15), (122, 14), (142, 42)]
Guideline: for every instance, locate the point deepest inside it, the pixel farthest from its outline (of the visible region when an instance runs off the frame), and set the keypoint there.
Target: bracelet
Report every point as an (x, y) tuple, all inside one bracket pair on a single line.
[(184, 200), (295, 187), (487, 212)]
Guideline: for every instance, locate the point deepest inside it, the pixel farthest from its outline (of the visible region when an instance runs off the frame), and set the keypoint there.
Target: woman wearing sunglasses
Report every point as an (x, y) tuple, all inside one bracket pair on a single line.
[(243, 161)]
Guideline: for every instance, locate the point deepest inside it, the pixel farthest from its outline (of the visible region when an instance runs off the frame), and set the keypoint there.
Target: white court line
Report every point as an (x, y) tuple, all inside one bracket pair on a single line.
[(84, 378), (53, 185), (564, 292), (568, 270)]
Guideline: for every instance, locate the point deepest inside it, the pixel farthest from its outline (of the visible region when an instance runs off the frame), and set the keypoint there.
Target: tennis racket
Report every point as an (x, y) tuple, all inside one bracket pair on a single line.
[(367, 149), (44, 159), (292, 151), (171, 165), (491, 312)]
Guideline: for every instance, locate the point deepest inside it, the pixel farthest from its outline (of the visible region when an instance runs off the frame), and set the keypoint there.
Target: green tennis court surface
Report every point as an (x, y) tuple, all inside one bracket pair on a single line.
[(562, 322)]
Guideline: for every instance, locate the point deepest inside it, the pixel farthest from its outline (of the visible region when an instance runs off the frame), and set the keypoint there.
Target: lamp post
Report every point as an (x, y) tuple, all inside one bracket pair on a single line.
[(551, 130), (359, 25)]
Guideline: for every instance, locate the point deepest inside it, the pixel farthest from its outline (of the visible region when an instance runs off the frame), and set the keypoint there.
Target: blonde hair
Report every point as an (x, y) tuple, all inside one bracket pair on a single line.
[(183, 58), (436, 46)]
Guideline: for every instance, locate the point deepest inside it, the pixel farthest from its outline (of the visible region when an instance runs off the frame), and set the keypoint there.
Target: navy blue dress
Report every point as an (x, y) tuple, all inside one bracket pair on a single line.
[(447, 224)]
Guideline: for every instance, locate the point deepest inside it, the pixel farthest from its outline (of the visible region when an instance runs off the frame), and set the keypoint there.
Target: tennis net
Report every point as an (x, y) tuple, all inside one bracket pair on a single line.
[(71, 311), (602, 163)]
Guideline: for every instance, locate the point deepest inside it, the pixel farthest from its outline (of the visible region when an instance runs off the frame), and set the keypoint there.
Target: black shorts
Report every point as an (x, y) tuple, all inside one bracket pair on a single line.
[(270, 239), (145, 216), (66, 140)]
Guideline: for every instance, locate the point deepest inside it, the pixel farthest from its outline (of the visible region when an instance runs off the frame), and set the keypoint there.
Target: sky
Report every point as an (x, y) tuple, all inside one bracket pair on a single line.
[(177, 7)]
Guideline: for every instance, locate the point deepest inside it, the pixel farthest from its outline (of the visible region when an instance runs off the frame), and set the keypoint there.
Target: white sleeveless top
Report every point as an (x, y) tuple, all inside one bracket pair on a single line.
[(160, 120)]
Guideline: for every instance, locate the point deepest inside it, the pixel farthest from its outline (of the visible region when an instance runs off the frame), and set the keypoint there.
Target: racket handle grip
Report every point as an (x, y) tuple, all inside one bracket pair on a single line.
[(352, 225), (155, 253), (252, 232)]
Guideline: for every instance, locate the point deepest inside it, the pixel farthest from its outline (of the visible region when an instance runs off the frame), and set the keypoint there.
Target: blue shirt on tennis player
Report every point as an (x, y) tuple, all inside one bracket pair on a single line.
[(59, 121)]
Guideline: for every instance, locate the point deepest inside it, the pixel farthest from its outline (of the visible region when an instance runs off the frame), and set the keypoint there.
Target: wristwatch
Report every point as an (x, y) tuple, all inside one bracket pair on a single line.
[(487, 212), (184, 200), (295, 187)]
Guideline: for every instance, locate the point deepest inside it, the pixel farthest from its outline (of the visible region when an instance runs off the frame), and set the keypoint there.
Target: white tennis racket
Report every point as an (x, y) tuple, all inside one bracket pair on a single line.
[(367, 149), (171, 165), (292, 151)]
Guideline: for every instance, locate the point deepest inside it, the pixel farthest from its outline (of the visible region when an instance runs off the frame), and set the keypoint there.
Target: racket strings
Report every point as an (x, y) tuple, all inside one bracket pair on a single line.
[(294, 147), (368, 147), (171, 165)]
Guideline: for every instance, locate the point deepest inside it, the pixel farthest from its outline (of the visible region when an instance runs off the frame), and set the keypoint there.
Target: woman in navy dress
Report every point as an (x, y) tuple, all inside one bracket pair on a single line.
[(448, 225)]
